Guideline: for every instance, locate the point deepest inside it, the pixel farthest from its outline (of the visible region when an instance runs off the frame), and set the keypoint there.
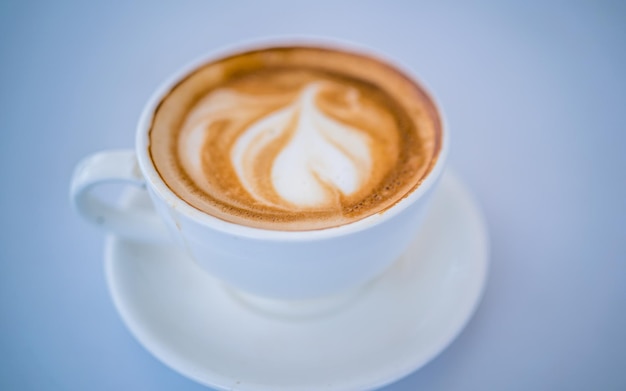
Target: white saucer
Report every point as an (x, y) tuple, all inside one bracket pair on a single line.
[(400, 322)]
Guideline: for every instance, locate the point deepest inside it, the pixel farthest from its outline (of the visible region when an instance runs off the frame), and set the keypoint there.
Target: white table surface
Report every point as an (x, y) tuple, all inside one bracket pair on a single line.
[(535, 97)]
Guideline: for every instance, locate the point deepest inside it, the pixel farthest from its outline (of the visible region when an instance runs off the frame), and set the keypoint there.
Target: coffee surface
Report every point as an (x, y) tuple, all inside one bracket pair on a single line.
[(294, 138)]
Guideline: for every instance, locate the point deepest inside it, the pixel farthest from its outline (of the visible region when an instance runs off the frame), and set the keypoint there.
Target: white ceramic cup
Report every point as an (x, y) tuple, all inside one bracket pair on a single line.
[(286, 265)]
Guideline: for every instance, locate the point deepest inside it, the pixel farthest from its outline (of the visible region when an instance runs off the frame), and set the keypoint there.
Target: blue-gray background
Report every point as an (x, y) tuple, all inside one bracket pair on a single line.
[(535, 97)]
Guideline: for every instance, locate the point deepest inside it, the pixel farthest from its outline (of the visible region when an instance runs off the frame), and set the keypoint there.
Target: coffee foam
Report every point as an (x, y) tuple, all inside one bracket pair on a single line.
[(294, 138)]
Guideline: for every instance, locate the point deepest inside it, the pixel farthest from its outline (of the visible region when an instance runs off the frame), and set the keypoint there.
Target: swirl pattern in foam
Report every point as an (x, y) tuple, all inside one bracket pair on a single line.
[(322, 160), (294, 138)]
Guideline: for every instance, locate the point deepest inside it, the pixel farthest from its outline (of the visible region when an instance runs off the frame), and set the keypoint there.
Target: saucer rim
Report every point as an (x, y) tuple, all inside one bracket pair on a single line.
[(479, 271)]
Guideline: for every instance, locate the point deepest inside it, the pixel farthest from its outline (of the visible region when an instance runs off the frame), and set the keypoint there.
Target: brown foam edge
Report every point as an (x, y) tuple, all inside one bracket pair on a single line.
[(425, 97)]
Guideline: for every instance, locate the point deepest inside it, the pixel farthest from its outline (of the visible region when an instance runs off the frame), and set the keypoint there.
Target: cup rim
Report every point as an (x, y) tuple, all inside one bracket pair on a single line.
[(158, 185)]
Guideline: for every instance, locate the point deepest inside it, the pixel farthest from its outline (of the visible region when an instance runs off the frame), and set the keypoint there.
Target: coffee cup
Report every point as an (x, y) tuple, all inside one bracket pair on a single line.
[(287, 169)]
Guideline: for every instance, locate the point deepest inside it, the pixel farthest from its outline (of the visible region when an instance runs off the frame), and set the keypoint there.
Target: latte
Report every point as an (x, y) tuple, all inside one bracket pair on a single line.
[(294, 138)]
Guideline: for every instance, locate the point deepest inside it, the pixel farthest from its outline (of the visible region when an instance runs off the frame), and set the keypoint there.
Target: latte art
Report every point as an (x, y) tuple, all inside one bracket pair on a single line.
[(322, 156), (294, 138), (322, 159)]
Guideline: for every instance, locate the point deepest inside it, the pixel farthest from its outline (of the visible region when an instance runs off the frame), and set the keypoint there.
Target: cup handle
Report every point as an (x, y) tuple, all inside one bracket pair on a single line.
[(119, 166)]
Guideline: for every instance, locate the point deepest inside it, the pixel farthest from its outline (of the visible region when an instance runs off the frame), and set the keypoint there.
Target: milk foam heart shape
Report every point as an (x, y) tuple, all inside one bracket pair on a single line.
[(322, 156)]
